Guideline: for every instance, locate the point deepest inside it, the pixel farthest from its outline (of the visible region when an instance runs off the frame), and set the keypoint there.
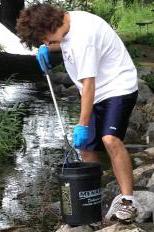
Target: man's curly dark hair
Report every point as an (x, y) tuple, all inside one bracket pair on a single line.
[(37, 20)]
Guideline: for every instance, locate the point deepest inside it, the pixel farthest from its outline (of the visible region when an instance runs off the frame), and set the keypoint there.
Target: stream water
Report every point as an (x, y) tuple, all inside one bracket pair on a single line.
[(27, 187)]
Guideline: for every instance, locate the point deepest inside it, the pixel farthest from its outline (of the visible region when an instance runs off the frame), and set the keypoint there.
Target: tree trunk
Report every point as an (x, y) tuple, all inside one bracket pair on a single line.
[(25, 65), (10, 10)]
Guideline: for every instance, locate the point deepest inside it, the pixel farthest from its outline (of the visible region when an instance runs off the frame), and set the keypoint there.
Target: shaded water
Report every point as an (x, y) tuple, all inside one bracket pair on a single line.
[(28, 187)]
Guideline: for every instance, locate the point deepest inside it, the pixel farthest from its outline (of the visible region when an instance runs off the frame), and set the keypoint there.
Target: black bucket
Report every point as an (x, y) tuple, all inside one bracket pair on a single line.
[(80, 188)]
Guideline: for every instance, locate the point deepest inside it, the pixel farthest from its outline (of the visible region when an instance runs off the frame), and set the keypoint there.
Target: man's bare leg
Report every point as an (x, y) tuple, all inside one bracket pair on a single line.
[(121, 163)]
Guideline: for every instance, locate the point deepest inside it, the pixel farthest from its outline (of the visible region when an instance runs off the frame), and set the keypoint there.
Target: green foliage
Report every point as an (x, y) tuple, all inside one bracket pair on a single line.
[(147, 39), (149, 79), (10, 131), (69, 4), (108, 10), (133, 51), (104, 9), (131, 15)]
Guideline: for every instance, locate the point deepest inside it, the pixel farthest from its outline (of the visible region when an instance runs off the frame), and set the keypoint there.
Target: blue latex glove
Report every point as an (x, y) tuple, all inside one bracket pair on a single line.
[(80, 136), (44, 58)]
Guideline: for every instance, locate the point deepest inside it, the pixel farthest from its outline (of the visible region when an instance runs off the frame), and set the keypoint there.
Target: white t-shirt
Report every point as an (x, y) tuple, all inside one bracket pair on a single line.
[(91, 48)]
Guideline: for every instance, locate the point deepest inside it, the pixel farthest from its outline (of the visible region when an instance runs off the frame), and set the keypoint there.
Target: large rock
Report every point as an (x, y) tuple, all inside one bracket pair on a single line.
[(144, 92), (150, 151), (145, 205), (114, 228), (131, 136), (138, 172), (137, 122), (62, 78), (148, 110), (144, 71), (67, 228), (140, 128), (71, 91), (123, 228)]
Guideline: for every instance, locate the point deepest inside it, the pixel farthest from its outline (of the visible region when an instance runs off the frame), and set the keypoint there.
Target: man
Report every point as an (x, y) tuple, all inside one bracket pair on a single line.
[(101, 68)]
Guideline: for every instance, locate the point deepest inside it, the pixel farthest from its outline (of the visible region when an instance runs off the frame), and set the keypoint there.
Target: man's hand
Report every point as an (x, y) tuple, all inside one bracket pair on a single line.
[(80, 136), (44, 58)]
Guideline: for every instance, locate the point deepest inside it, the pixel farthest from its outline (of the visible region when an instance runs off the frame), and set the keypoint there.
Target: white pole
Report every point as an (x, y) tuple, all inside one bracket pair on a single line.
[(55, 103)]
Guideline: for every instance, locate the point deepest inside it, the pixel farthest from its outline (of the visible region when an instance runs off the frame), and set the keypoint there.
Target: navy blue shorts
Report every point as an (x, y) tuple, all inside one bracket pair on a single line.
[(109, 117)]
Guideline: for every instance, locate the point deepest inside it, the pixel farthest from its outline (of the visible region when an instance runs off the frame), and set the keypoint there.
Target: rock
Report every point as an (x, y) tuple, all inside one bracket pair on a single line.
[(150, 133), (17, 229), (123, 228), (148, 110), (67, 228), (131, 136), (142, 175), (151, 181), (145, 205), (151, 100), (138, 161), (71, 91), (56, 209), (144, 71), (148, 227), (137, 121), (59, 89), (150, 151), (144, 92), (62, 78), (137, 148), (142, 158), (143, 180)]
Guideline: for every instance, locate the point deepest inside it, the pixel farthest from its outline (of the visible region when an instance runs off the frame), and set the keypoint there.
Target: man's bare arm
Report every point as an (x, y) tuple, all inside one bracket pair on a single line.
[(87, 99)]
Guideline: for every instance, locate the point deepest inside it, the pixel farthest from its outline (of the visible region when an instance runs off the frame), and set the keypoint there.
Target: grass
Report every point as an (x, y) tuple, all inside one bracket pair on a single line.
[(10, 131), (129, 30), (103, 9), (133, 14), (123, 19)]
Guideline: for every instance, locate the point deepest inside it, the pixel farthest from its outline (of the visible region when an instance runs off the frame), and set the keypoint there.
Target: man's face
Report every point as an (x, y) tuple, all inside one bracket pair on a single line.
[(53, 40)]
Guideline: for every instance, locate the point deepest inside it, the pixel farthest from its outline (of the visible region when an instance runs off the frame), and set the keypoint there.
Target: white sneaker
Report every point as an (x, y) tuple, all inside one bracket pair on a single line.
[(122, 210)]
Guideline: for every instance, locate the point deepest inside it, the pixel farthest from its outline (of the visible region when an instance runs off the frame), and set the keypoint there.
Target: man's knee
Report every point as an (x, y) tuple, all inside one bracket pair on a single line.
[(111, 142)]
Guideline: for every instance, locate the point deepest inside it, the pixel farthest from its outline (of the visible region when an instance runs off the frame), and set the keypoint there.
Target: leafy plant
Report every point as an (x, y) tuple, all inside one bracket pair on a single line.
[(147, 39), (133, 51), (10, 130), (104, 9), (68, 4)]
